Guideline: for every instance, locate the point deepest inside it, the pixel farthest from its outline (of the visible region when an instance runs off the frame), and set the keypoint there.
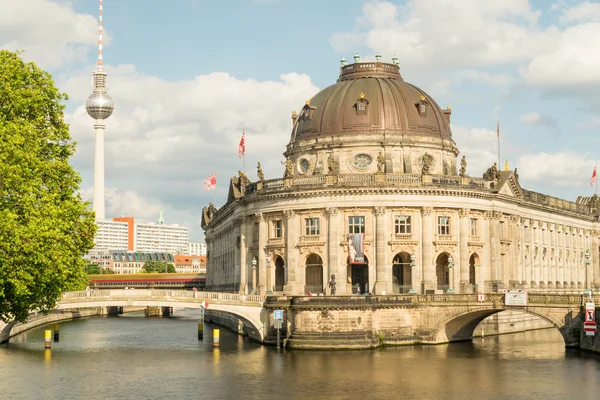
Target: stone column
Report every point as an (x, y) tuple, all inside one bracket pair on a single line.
[(249, 223), (496, 278), (463, 251), (209, 262), (262, 256), (595, 261), (291, 253), (333, 251), (383, 276), (429, 280), (241, 261)]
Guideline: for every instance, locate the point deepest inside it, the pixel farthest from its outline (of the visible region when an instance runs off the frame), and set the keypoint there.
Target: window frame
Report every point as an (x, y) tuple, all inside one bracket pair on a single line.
[(406, 224), (312, 226), (356, 221), (444, 228)]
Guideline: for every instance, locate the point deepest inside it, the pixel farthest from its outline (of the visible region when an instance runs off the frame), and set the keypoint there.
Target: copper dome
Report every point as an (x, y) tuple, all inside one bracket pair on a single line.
[(371, 98)]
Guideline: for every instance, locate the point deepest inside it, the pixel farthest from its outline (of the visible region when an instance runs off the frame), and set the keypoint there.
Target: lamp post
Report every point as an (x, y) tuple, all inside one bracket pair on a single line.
[(413, 264), (450, 275), (254, 275), (269, 291), (587, 291)]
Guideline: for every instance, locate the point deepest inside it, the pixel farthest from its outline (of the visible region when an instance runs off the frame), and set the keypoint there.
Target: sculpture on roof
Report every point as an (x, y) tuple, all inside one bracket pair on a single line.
[(208, 213), (380, 162), (289, 168), (244, 181), (427, 163), (463, 167), (492, 173), (259, 172), (594, 203), (516, 174), (332, 164)]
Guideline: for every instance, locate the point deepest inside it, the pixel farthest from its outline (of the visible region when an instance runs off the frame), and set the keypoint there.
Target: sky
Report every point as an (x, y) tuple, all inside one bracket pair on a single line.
[(188, 76)]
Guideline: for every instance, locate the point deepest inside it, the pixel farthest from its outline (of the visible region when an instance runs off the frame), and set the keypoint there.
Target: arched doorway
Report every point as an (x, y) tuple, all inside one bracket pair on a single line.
[(473, 262), (279, 274), (314, 274), (401, 273), (442, 272), (358, 274)]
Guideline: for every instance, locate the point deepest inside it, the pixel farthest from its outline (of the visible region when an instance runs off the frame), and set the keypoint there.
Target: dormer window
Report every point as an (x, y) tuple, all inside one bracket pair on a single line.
[(362, 105), (422, 106)]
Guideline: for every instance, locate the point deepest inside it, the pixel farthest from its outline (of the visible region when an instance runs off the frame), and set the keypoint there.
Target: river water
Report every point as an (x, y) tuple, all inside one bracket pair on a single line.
[(132, 357)]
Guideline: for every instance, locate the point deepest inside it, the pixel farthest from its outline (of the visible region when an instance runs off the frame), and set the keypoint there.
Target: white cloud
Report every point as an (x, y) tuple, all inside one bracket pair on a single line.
[(52, 34), (583, 12), (572, 64), (438, 34), (479, 145), (530, 118), (561, 169), (165, 137), (125, 203)]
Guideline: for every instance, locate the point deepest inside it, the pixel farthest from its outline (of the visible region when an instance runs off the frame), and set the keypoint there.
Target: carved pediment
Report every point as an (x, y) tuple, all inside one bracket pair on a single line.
[(508, 185)]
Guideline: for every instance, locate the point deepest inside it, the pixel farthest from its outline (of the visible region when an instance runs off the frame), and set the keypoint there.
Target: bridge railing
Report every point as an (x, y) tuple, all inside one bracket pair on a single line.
[(107, 294)]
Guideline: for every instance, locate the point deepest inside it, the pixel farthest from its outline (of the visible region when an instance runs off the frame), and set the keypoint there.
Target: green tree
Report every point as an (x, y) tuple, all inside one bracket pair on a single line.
[(45, 226), (160, 267), (93, 269)]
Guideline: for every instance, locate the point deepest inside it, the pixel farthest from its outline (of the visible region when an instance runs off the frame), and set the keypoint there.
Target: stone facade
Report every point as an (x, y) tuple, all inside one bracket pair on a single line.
[(364, 168)]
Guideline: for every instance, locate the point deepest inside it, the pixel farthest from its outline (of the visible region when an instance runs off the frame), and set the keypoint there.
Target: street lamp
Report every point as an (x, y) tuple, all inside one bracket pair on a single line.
[(269, 291), (413, 264), (587, 291), (450, 274), (254, 275)]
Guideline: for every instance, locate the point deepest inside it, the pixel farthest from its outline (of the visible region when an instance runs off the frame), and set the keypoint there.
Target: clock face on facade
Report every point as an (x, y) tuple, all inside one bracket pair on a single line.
[(304, 165), (362, 161)]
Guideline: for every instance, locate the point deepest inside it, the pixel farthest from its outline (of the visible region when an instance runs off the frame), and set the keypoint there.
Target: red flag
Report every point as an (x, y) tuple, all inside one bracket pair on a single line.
[(242, 145), (593, 177), (210, 183)]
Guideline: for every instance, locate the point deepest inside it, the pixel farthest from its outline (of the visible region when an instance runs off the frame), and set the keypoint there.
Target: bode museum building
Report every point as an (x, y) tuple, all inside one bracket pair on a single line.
[(375, 198)]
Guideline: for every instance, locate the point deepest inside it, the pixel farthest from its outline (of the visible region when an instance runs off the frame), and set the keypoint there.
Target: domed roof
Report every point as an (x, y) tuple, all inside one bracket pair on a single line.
[(371, 98)]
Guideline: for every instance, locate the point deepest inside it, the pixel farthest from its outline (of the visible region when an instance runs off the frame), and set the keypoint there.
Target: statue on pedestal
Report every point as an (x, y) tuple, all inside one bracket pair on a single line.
[(463, 167), (332, 284), (289, 168), (380, 162), (259, 172), (427, 163)]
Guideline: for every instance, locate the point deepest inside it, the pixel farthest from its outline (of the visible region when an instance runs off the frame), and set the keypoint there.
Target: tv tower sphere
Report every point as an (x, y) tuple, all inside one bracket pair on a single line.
[(99, 105)]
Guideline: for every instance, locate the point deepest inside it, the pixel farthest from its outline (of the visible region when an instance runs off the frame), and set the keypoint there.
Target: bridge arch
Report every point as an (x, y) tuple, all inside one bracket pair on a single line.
[(459, 323), (249, 308)]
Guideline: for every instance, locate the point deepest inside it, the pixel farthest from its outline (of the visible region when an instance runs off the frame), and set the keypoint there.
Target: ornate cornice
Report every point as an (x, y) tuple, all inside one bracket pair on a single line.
[(408, 243), (464, 212), (426, 211)]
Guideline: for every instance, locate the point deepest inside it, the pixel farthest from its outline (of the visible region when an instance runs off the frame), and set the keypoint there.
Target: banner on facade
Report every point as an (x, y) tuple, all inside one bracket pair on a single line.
[(355, 248)]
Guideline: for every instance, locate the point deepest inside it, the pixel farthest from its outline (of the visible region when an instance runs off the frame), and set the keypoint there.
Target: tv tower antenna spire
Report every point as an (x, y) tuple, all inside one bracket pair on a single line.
[(99, 106)]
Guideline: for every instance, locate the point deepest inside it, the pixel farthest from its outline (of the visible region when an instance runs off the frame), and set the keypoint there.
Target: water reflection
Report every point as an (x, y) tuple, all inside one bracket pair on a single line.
[(131, 357)]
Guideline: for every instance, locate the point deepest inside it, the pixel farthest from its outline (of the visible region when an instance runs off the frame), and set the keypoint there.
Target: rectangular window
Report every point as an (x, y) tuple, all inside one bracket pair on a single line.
[(443, 225), (277, 228), (356, 224), (313, 227), (473, 226), (402, 223)]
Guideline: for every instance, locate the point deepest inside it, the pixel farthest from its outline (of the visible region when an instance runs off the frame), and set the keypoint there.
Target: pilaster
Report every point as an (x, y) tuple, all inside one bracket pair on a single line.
[(291, 253), (243, 251), (429, 278), (463, 223), (335, 268), (383, 278), (262, 256)]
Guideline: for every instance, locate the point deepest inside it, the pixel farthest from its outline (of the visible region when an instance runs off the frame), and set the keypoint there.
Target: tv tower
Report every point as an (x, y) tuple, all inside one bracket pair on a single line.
[(99, 106)]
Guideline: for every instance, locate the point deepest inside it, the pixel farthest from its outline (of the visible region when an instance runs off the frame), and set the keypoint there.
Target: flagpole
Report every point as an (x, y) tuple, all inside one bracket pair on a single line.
[(498, 137), (596, 169)]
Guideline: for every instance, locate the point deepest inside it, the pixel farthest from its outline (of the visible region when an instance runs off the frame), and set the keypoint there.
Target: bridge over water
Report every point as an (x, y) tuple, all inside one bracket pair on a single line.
[(352, 321)]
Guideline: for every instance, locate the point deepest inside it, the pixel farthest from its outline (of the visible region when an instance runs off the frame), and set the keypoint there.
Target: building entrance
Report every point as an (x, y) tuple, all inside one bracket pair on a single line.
[(359, 275)]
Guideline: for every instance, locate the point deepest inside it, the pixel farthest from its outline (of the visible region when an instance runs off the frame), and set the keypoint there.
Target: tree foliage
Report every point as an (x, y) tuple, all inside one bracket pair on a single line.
[(95, 269), (45, 226), (159, 267)]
